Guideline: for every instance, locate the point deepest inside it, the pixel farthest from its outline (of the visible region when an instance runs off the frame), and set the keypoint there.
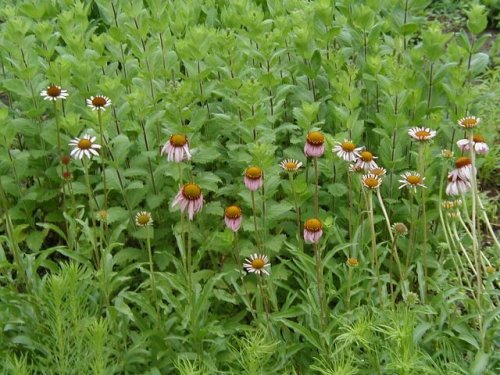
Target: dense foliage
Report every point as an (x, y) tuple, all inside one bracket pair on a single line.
[(190, 106)]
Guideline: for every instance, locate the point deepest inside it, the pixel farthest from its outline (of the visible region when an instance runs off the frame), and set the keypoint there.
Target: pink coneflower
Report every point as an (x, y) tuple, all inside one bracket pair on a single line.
[(463, 169), (233, 218), (412, 180), (315, 144), (366, 161), (290, 165), (84, 146), (177, 148), (469, 122), (54, 92), (253, 178), (313, 230), (478, 142), (422, 134), (189, 198), (257, 264), (98, 102), (457, 185), (347, 150)]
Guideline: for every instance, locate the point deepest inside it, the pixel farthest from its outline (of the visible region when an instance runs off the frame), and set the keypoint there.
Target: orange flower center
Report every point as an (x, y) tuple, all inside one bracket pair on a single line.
[(348, 146), (253, 173), (478, 138), (233, 212), (462, 162), (178, 140), (313, 225), (143, 219), (422, 134), (469, 122), (291, 165), (53, 91), (84, 144), (99, 101), (191, 191), (258, 263), (371, 182), (315, 138), (353, 262), (366, 156), (413, 179)]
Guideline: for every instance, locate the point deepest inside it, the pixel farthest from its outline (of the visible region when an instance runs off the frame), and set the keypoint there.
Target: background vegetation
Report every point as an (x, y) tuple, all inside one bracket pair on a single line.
[(245, 81)]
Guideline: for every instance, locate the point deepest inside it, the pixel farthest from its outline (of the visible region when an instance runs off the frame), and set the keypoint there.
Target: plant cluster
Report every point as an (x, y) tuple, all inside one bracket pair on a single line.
[(246, 187)]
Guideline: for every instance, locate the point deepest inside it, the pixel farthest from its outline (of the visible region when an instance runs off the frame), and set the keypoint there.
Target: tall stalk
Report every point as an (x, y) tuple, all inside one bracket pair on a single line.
[(103, 161), (297, 209)]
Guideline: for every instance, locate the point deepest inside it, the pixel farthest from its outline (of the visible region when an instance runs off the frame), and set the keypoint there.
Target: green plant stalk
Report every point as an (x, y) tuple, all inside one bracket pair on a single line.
[(104, 280), (386, 216), (348, 288), (321, 285), (475, 240), (462, 248), (254, 208), (265, 302), (297, 212), (316, 188), (151, 269), (91, 210), (189, 256), (394, 251), (373, 235), (349, 197), (412, 231), (236, 254), (59, 148), (103, 159), (421, 167)]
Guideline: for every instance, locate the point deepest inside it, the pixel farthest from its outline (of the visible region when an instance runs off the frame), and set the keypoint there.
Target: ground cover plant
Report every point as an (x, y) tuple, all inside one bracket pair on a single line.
[(247, 187)]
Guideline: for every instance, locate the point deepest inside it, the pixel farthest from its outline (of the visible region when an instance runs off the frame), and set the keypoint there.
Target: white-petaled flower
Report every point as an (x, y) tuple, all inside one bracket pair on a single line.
[(478, 141), (84, 146), (379, 171), (422, 134), (143, 219), (366, 160), (347, 150), (371, 181), (447, 154), (291, 165), (456, 185), (469, 122), (177, 148), (356, 168), (54, 92), (463, 170), (412, 180), (98, 102), (313, 230), (189, 198), (258, 264)]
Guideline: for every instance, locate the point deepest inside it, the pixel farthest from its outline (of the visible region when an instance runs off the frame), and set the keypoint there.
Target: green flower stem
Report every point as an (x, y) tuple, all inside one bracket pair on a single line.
[(422, 206), (151, 268), (373, 235), (475, 239), (462, 248), (85, 163), (448, 238), (265, 302), (412, 231), (254, 207), (316, 188), (321, 285), (103, 159), (382, 206), (104, 280), (189, 265), (394, 251), (349, 197), (348, 288), (297, 209)]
